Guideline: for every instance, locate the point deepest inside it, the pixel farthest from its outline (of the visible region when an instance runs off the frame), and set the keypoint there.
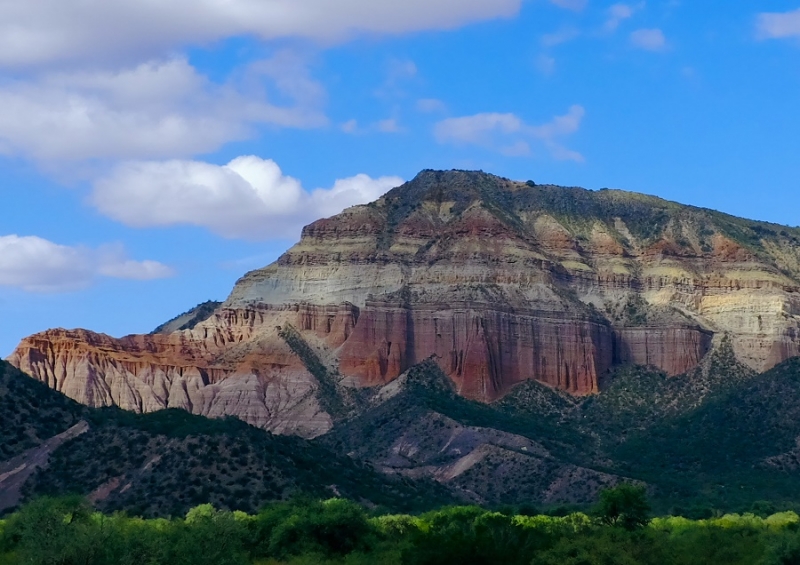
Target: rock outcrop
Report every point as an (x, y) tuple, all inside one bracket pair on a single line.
[(497, 281), (234, 363), (484, 348)]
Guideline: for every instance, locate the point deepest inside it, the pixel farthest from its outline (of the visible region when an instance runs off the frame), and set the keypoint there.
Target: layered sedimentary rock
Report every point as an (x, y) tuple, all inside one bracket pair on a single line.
[(497, 281), (234, 363), (673, 350), (484, 348)]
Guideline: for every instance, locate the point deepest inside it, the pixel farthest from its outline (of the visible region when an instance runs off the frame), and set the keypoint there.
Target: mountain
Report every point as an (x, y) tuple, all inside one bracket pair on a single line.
[(498, 282)]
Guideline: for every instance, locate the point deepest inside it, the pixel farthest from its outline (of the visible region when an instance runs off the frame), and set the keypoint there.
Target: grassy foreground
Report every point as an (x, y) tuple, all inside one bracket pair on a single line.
[(67, 531)]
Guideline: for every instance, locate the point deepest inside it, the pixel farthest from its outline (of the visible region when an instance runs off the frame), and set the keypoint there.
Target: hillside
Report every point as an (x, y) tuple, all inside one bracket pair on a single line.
[(188, 319), (721, 439), (30, 413), (167, 462), (741, 444)]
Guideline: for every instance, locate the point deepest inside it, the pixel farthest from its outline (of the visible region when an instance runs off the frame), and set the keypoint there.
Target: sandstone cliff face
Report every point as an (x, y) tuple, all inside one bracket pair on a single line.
[(497, 281), (234, 363), (484, 348)]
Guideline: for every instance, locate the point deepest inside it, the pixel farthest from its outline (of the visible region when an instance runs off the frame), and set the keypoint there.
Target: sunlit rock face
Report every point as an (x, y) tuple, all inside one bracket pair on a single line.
[(234, 363), (497, 281)]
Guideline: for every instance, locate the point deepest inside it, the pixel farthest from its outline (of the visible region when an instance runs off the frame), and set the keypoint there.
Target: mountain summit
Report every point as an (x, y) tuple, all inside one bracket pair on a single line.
[(497, 281)]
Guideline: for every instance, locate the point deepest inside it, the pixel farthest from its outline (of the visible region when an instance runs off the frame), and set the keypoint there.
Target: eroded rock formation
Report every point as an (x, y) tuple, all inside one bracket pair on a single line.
[(498, 281), (234, 363)]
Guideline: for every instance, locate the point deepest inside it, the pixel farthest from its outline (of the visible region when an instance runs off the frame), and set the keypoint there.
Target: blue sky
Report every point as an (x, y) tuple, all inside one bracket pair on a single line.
[(151, 153)]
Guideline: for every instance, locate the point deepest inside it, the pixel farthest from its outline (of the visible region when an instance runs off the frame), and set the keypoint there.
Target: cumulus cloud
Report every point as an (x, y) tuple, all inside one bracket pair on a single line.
[(53, 31), (34, 264), (248, 198), (509, 134), (649, 39), (155, 109), (778, 25)]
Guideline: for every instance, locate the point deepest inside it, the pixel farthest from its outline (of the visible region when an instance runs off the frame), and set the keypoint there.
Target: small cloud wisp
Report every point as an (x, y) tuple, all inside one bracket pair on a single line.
[(34, 264), (508, 134)]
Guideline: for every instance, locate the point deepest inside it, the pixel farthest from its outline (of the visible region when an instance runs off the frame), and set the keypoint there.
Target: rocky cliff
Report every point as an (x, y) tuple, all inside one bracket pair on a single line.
[(498, 281)]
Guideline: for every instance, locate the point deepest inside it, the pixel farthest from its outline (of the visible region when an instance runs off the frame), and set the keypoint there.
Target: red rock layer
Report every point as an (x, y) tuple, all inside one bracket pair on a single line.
[(672, 350), (232, 364), (486, 351), (483, 349)]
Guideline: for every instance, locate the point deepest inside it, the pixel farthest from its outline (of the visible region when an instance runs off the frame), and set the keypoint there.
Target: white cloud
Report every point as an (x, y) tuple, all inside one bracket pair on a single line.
[(778, 25), (619, 13), (560, 126), (398, 73), (508, 133), (649, 39), (350, 126), (155, 109), (563, 35), (545, 64), (401, 69), (46, 32), (389, 125), (34, 264), (517, 149), (430, 105), (248, 198), (475, 129)]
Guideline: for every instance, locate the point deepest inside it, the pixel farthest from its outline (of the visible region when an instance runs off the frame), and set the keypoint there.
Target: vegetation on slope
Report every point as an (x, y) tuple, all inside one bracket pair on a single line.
[(427, 426), (164, 463), (738, 446), (336, 400), (30, 412), (647, 218), (189, 319), (638, 398), (721, 439)]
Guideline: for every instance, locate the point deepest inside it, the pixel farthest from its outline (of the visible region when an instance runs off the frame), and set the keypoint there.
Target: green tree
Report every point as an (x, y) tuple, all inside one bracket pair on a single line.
[(783, 550), (57, 531), (207, 537), (624, 505), (332, 527)]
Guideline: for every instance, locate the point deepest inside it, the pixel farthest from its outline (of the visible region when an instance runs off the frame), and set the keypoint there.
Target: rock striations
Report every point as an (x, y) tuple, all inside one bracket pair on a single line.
[(498, 281)]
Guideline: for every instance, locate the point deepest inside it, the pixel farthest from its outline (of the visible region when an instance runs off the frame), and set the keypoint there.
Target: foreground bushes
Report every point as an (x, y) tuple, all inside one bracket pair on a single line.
[(66, 531)]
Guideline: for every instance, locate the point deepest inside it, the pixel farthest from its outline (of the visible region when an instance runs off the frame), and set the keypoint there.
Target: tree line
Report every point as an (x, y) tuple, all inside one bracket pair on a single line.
[(619, 531)]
